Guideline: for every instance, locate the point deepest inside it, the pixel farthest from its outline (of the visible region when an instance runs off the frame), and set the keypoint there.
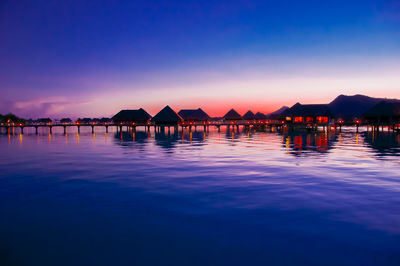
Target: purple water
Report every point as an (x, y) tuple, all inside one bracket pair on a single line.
[(228, 198)]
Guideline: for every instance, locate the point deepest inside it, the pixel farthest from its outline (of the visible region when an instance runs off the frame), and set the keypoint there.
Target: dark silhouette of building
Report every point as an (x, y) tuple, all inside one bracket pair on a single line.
[(308, 113), (65, 121), (132, 116), (260, 116), (232, 115), (193, 115), (384, 112), (249, 115), (44, 121), (105, 120), (167, 116), (85, 120)]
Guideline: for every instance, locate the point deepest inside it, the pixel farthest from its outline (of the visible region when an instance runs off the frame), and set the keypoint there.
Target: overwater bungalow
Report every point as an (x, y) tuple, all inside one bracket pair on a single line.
[(85, 120), (167, 116), (44, 121), (308, 114), (131, 116), (105, 120), (383, 113), (232, 115), (95, 121), (260, 116), (249, 115), (194, 115), (66, 121)]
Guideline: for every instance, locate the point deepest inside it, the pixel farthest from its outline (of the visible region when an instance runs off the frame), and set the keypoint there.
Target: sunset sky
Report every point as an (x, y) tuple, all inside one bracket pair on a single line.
[(93, 58)]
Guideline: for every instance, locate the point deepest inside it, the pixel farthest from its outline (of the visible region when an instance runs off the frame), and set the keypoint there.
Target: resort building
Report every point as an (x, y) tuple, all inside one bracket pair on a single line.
[(84, 121), (260, 116), (384, 113), (193, 115), (249, 116), (44, 121), (308, 114), (167, 116), (132, 116), (232, 115), (66, 121)]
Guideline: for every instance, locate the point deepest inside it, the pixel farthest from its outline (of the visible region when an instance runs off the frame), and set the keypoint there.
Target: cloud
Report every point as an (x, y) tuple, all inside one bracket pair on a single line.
[(40, 107)]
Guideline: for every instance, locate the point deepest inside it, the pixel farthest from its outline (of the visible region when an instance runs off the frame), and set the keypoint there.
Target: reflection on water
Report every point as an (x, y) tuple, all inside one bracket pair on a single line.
[(384, 143), (302, 142), (235, 197), (296, 143)]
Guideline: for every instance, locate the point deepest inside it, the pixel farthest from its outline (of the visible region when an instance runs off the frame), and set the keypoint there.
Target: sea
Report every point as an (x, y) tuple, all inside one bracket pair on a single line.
[(234, 197)]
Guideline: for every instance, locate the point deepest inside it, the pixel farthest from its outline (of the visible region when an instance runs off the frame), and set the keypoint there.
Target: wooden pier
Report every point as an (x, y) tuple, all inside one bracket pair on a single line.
[(146, 126), (258, 125)]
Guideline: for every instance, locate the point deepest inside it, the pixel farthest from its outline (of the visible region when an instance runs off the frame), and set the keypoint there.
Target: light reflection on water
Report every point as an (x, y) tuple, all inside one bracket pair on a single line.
[(196, 198)]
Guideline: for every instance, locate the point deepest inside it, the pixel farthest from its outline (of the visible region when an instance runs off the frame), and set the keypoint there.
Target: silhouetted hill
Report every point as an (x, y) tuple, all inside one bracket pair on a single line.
[(278, 112), (348, 107)]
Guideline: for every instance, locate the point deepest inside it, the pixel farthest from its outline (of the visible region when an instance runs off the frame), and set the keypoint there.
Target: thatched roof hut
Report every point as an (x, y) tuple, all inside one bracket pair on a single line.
[(44, 120), (105, 120), (136, 116), (249, 115), (260, 116), (167, 116), (193, 115), (65, 121), (232, 115), (85, 120), (384, 111)]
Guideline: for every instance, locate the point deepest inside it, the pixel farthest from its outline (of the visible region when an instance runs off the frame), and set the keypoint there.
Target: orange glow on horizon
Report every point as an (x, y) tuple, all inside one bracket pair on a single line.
[(215, 108)]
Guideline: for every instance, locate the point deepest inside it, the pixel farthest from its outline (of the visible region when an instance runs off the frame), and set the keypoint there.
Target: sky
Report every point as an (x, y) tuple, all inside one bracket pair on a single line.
[(93, 58)]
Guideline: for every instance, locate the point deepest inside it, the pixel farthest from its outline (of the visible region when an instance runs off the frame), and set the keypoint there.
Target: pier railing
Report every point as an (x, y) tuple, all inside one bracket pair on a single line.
[(277, 124)]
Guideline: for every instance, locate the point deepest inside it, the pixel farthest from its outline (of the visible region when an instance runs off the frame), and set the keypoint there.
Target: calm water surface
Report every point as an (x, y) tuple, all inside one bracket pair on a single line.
[(228, 198)]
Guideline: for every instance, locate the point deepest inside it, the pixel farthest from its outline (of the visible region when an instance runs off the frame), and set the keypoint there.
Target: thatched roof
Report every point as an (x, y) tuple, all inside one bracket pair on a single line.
[(85, 120), (249, 115), (232, 115), (384, 109), (260, 116), (308, 110), (44, 120), (66, 120), (167, 116), (139, 115), (193, 115)]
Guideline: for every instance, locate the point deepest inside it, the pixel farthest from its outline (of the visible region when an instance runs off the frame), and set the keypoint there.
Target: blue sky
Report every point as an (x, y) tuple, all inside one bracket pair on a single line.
[(92, 58)]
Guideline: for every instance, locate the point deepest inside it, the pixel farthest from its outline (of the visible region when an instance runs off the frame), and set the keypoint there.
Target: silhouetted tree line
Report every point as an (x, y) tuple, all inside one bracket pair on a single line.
[(11, 118)]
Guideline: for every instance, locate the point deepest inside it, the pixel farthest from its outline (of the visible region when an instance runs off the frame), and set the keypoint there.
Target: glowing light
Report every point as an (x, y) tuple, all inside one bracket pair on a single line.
[(298, 119), (322, 119)]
